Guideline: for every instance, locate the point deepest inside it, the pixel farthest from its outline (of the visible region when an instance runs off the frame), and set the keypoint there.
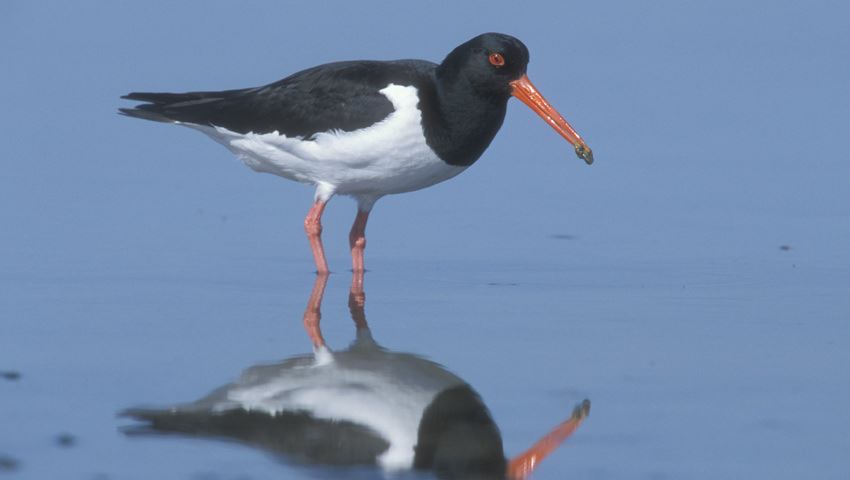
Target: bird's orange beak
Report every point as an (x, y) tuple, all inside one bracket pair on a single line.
[(523, 89)]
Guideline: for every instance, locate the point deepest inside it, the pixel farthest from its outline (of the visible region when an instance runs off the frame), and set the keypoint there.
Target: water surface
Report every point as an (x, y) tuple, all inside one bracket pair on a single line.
[(694, 283)]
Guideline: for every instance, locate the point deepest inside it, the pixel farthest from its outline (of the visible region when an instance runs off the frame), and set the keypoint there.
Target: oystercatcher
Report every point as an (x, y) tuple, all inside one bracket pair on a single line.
[(367, 128), (365, 405)]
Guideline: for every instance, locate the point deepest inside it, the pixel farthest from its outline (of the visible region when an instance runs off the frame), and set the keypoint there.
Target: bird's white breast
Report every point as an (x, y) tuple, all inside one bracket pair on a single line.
[(387, 392), (391, 156)]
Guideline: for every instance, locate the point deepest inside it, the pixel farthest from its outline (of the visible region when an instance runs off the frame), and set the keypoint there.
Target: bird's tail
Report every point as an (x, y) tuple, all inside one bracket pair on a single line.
[(174, 107)]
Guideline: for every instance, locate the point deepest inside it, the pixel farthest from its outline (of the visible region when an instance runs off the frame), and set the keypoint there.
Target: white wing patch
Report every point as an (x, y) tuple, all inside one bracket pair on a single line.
[(390, 156)]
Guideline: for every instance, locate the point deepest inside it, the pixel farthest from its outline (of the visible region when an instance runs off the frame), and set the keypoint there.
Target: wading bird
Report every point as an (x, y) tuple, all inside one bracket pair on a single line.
[(367, 128)]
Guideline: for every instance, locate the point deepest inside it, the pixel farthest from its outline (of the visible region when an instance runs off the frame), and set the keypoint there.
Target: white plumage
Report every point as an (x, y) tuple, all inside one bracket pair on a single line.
[(391, 156), (365, 385)]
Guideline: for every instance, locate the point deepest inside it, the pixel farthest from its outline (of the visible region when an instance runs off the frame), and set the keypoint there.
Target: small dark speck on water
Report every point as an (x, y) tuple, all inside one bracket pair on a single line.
[(785, 248), (215, 476), (8, 464), (10, 375), (66, 440), (563, 236), (502, 284), (771, 424)]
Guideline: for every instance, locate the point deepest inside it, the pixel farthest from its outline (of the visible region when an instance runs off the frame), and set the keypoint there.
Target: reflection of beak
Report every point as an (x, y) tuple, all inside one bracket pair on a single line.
[(523, 89), (521, 466)]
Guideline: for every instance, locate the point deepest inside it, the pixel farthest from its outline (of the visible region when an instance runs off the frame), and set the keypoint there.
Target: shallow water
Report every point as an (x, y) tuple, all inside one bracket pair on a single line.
[(694, 283), (696, 368)]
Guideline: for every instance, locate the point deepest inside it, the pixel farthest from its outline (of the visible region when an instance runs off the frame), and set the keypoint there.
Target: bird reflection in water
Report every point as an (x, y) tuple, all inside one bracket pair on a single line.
[(362, 406)]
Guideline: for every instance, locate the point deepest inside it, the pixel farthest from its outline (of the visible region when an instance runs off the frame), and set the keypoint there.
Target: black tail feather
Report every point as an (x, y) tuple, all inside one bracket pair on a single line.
[(145, 114), (162, 98), (191, 107), (296, 434)]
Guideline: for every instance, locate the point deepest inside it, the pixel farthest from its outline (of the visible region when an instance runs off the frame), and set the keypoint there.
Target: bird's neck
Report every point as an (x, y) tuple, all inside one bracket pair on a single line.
[(460, 123)]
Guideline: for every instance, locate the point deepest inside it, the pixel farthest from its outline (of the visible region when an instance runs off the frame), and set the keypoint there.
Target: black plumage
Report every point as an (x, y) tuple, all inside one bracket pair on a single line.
[(412, 124), (337, 96), (463, 103), (458, 438), (300, 436)]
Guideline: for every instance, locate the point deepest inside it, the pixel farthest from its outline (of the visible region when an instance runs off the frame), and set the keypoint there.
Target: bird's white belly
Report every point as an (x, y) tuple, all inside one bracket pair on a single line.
[(385, 392), (391, 156)]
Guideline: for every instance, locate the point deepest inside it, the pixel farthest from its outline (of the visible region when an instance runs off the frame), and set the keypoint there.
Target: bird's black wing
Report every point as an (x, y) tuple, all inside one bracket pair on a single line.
[(299, 436), (337, 96)]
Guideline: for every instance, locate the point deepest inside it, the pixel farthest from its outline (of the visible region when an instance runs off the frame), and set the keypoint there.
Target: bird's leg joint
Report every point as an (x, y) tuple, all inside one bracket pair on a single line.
[(313, 227)]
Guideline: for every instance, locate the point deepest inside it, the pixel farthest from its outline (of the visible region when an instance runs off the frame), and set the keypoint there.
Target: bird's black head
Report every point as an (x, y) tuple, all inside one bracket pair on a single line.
[(492, 67), (488, 62)]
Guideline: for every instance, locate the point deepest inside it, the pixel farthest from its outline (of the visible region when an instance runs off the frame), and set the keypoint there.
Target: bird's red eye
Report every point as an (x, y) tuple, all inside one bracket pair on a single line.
[(496, 59)]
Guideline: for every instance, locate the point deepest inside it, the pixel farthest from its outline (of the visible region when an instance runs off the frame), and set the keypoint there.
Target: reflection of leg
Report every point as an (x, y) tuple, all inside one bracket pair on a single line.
[(313, 312), (522, 465), (357, 240), (313, 227), (357, 301)]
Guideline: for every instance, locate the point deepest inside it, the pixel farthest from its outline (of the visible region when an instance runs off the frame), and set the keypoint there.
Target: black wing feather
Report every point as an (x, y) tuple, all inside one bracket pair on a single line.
[(173, 98), (337, 96), (298, 435)]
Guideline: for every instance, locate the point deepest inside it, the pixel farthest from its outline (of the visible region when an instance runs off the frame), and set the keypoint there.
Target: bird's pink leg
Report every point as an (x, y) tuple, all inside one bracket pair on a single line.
[(521, 466), (357, 240), (313, 227), (357, 301), (313, 312)]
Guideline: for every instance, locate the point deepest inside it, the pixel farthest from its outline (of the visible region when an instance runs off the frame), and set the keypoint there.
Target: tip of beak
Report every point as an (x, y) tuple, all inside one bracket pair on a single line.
[(582, 410), (585, 153)]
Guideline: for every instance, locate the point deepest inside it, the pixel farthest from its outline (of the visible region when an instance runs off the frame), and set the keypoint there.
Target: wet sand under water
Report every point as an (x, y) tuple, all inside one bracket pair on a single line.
[(696, 368)]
